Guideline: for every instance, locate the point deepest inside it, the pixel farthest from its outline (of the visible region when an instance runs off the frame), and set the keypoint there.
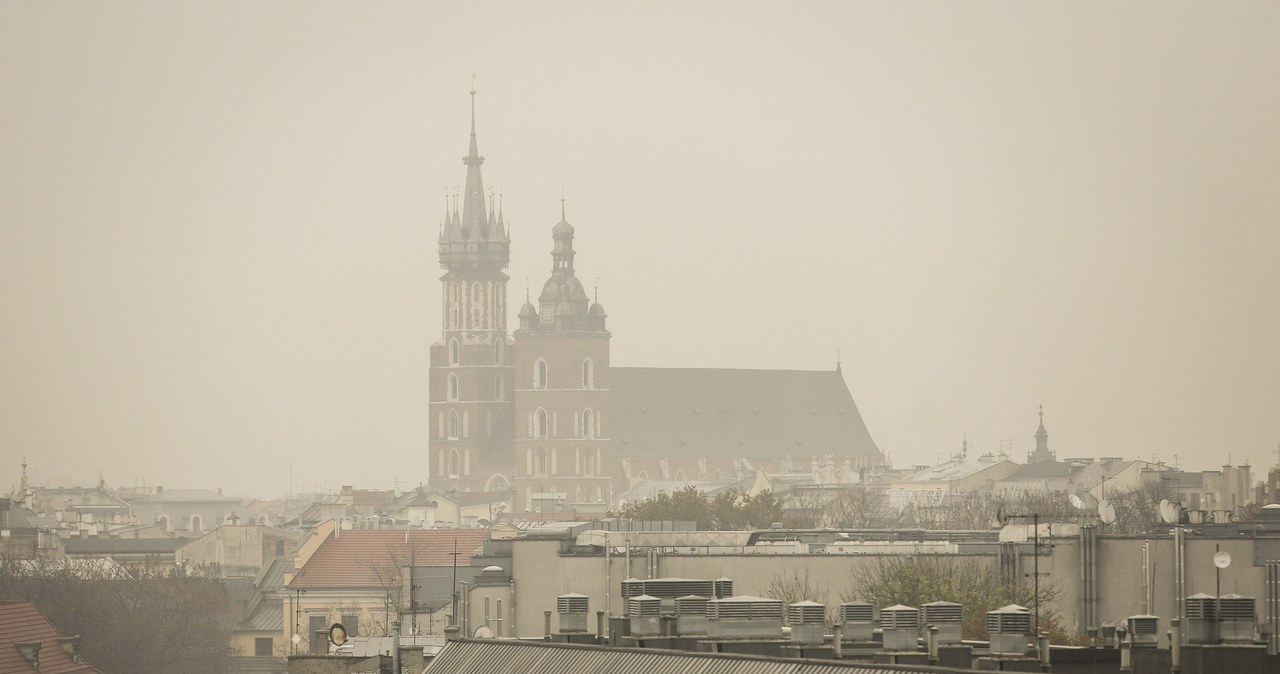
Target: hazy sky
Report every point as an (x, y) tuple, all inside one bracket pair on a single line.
[(218, 220)]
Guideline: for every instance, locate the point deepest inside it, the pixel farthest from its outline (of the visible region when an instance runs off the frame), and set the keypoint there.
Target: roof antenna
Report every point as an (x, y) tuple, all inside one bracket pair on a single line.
[(596, 291), (526, 288), (837, 359)]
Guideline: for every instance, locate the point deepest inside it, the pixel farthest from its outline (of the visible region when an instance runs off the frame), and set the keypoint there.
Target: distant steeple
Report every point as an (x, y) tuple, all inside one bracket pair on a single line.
[(1042, 452), (473, 235)]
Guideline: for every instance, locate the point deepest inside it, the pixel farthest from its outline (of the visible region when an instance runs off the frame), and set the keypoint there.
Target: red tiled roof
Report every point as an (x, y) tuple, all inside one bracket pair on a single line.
[(21, 621), (354, 558)]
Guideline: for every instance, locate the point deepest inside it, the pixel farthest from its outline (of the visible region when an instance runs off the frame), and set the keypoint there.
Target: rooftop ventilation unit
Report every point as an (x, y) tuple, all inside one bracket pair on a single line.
[(722, 588), (744, 617), (1239, 618), (691, 615), (1202, 619), (632, 587), (1008, 628), (858, 620), (572, 608), (948, 617), (808, 622), (667, 589), (900, 625), (644, 612), (1143, 630)]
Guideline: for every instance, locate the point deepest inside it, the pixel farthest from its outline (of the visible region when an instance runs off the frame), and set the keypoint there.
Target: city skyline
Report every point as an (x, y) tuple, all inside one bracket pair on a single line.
[(220, 222)]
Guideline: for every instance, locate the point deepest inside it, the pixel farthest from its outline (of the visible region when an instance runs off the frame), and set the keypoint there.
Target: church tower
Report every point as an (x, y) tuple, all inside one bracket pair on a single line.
[(562, 391), (1042, 453), (471, 373)]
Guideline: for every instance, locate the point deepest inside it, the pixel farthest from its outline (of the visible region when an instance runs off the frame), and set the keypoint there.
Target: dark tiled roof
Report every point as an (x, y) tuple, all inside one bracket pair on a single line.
[(354, 558), (1043, 469), (123, 546), (660, 412), (21, 621)]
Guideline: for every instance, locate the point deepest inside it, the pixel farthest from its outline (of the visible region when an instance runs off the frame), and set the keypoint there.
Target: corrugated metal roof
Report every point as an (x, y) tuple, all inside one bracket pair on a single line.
[(475, 656)]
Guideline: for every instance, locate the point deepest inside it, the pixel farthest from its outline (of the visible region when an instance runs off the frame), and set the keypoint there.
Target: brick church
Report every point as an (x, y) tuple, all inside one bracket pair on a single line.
[(539, 415)]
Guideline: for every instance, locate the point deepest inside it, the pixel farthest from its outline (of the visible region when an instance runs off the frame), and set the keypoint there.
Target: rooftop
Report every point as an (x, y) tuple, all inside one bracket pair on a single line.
[(357, 558), (21, 621)]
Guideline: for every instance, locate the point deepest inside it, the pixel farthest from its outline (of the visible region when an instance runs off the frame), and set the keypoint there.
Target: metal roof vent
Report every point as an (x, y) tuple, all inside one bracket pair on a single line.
[(858, 619), (572, 608), (808, 621), (645, 614), (632, 587), (1143, 630), (1239, 618), (1008, 628), (900, 625), (691, 615), (745, 617), (722, 588), (1202, 619), (948, 617)]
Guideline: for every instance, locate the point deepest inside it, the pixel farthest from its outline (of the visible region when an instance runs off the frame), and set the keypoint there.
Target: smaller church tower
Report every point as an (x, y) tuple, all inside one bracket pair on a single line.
[(1042, 454), (562, 391)]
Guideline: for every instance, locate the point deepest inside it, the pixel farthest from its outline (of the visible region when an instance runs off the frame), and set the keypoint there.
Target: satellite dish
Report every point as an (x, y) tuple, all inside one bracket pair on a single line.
[(1168, 511), (1076, 502), (1222, 559), (1106, 511), (337, 634)]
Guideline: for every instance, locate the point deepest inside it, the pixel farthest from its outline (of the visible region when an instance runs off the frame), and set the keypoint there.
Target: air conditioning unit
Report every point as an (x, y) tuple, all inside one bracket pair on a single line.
[(858, 620), (1202, 619), (808, 622), (722, 588), (948, 617), (900, 625), (744, 617), (691, 615), (1007, 628), (1239, 618), (572, 608), (1144, 630), (645, 615)]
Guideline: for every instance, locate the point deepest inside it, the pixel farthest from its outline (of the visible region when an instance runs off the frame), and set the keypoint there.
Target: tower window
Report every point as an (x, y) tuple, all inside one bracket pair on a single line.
[(588, 424), (540, 426), (499, 387), (497, 351), (453, 352), (453, 425), (454, 463), (540, 461), (588, 374), (540, 374), (452, 393)]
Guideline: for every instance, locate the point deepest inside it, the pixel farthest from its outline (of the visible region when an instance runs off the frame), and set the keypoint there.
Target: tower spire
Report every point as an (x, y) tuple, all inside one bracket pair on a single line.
[(475, 222)]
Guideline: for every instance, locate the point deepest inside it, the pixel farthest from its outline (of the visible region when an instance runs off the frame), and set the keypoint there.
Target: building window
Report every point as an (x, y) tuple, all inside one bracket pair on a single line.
[(452, 394), (263, 647), (499, 387), (591, 462), (588, 374), (540, 374), (680, 476), (477, 305), (453, 426), (588, 424), (351, 623), (453, 306), (540, 423), (454, 462), (540, 461), (454, 357), (163, 522), (497, 351), (196, 525)]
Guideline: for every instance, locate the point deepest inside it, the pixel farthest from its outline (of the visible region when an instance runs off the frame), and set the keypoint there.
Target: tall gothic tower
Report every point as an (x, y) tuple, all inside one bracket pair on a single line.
[(471, 373), (562, 391)]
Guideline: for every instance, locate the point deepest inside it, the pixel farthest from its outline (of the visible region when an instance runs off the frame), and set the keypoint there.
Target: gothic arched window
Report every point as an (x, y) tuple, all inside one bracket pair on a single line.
[(454, 356), (454, 463), (588, 424), (497, 351), (540, 374), (540, 461), (499, 387), (540, 426), (452, 393), (588, 374), (453, 425), (477, 305)]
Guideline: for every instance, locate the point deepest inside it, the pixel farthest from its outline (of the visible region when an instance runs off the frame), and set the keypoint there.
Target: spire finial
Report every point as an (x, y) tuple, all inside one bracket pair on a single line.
[(473, 104), (837, 359), (595, 292), (526, 288), (1042, 414), (562, 216)]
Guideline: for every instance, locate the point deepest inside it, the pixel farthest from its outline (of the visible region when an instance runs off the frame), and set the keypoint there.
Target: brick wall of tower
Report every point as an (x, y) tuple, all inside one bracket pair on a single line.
[(569, 460)]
